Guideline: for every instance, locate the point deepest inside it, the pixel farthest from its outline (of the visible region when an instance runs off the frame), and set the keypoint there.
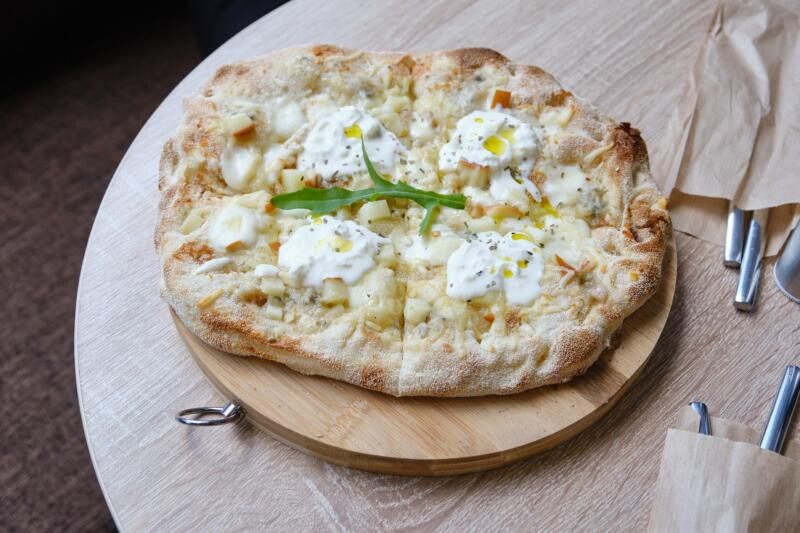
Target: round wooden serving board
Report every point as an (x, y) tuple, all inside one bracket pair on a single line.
[(358, 428)]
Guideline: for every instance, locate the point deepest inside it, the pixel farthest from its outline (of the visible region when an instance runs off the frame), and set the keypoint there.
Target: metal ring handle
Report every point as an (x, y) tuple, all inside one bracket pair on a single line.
[(222, 415)]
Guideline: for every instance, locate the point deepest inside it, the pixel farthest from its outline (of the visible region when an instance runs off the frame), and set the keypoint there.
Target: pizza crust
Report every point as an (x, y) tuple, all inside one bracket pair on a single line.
[(518, 350)]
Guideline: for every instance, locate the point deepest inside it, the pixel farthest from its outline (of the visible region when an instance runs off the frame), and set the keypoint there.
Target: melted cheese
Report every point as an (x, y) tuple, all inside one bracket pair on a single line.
[(284, 117), (233, 226), (213, 264), (566, 237), (556, 116), (329, 248), (491, 262), (265, 271), (565, 184), (239, 163), (421, 129)]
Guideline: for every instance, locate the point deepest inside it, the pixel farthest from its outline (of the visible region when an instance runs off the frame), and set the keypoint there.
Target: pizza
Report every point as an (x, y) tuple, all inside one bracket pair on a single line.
[(441, 224)]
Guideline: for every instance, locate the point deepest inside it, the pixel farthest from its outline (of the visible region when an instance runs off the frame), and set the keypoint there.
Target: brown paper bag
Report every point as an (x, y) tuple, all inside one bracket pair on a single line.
[(734, 134), (725, 482)]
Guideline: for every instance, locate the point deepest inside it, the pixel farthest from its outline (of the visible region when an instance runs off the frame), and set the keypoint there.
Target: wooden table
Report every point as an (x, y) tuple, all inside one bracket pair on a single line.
[(134, 373)]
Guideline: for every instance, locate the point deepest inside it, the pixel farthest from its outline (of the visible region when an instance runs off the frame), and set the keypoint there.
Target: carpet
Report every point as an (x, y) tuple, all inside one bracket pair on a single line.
[(67, 115)]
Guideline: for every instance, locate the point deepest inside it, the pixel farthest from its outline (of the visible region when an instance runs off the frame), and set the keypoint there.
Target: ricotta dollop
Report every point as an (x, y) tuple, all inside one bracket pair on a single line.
[(333, 146), (329, 248), (505, 145), (489, 261)]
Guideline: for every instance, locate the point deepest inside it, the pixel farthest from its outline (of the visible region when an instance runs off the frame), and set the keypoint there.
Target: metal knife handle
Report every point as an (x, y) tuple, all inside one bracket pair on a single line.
[(734, 238), (781, 415), (701, 409), (750, 272)]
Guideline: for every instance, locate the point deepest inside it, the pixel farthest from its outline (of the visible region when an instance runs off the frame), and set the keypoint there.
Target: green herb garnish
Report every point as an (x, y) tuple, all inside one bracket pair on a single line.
[(321, 201)]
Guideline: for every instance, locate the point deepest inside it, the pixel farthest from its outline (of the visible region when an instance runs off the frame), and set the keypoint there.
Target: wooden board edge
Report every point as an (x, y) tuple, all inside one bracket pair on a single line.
[(431, 467)]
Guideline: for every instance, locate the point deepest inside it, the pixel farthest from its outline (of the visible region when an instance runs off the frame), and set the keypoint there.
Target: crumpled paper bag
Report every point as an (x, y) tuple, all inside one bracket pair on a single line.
[(735, 133), (725, 482)]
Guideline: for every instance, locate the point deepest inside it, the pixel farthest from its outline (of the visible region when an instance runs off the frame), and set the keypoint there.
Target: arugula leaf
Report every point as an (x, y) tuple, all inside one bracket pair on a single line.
[(321, 201)]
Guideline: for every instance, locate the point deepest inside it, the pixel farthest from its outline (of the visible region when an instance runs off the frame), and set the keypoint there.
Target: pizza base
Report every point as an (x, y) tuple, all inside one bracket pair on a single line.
[(402, 361)]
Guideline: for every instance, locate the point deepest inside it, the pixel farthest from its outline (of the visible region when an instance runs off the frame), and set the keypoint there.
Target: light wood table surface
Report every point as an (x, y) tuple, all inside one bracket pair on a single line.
[(629, 58)]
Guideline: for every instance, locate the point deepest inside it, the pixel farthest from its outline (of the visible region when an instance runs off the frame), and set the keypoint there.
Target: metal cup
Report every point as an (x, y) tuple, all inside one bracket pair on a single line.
[(787, 269)]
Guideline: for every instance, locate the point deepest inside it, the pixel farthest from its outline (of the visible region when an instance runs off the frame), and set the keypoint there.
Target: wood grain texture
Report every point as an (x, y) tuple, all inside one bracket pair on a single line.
[(363, 429), (134, 373)]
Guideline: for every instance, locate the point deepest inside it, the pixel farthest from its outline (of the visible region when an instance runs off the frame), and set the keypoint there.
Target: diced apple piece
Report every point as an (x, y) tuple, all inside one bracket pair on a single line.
[(369, 324), (398, 103), (239, 124), (556, 116), (503, 210), (475, 209), (272, 286), (372, 211), (379, 282), (383, 311), (416, 311), (484, 223), (274, 308), (209, 299), (391, 121), (193, 220), (255, 200), (501, 98), (334, 291), (387, 255), (442, 247), (474, 175), (292, 179)]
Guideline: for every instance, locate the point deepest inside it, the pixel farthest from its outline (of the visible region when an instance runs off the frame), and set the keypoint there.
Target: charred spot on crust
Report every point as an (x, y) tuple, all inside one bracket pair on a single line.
[(196, 252), (558, 98), (627, 128), (326, 50), (512, 318), (254, 296), (474, 58), (226, 72), (404, 66), (373, 377)]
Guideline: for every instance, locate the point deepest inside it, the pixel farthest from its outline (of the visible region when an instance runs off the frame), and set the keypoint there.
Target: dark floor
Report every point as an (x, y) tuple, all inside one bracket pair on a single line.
[(66, 118)]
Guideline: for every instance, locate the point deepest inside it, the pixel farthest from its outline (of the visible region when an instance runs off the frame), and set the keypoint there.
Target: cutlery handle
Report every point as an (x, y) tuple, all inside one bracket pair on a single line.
[(781, 415), (751, 261), (701, 409), (734, 238)]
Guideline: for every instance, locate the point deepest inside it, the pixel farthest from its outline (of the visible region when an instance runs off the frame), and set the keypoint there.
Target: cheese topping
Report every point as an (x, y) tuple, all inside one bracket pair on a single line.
[(238, 164), (284, 117), (490, 262), (505, 145), (265, 271), (329, 248), (565, 183), (213, 264), (566, 237), (433, 249), (233, 226), (421, 129), (333, 146)]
